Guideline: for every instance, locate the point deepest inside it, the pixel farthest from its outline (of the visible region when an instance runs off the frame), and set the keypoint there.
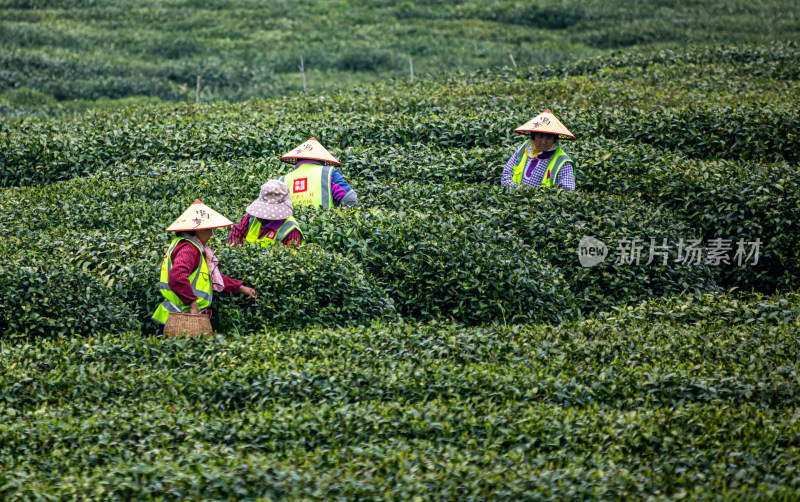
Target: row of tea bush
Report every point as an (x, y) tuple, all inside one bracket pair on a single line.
[(684, 397)]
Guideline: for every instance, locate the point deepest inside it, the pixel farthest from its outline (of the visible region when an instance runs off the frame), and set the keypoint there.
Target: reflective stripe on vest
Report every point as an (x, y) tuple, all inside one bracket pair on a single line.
[(272, 236), (550, 174), (520, 167), (164, 310), (554, 167), (310, 184), (200, 279)]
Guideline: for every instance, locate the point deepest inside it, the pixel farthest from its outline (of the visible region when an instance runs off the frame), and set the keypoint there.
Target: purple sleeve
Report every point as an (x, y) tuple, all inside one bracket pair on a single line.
[(337, 178), (508, 171), (337, 192), (566, 179)]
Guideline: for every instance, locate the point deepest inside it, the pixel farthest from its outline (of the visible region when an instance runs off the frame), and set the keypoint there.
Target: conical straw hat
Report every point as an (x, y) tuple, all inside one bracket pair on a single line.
[(311, 150), (545, 122), (199, 217)]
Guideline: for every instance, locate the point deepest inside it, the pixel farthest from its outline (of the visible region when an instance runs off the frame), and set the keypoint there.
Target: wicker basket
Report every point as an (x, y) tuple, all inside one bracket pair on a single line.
[(181, 324)]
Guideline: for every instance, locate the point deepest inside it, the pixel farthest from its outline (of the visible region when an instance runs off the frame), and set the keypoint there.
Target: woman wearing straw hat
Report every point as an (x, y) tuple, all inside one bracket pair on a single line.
[(269, 219), (540, 161), (314, 181), (189, 273)]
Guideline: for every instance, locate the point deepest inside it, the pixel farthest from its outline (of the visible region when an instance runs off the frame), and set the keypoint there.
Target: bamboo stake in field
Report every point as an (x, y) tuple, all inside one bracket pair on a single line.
[(512, 60), (197, 91), (411, 67), (302, 69)]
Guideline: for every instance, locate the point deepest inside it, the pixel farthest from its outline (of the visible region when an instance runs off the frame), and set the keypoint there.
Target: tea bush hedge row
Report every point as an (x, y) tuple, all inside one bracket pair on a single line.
[(43, 152), (532, 223), (630, 454), (451, 111), (537, 377), (757, 76), (714, 309), (231, 185), (722, 199), (437, 266), (299, 287), (422, 284), (683, 81), (627, 344), (241, 49), (427, 260), (774, 60), (596, 288), (745, 199), (640, 401), (106, 284), (49, 299)]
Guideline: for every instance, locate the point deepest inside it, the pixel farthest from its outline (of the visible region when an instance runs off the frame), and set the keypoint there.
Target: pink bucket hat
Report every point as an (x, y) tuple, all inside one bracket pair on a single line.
[(273, 203)]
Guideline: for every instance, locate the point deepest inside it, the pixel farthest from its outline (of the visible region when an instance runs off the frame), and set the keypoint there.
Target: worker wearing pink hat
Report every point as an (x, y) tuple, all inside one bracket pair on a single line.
[(268, 219)]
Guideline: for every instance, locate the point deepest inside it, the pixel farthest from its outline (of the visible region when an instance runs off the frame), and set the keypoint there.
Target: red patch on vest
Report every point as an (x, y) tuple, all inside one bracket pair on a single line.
[(548, 174), (300, 185), (270, 234)]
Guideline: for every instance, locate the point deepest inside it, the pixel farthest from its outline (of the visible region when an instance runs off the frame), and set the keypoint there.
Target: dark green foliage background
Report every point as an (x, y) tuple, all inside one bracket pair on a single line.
[(442, 341), (61, 55)]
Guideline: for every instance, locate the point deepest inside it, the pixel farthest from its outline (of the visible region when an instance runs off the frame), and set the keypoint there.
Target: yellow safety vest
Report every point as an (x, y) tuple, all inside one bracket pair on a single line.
[(310, 184), (273, 236), (199, 279), (548, 180)]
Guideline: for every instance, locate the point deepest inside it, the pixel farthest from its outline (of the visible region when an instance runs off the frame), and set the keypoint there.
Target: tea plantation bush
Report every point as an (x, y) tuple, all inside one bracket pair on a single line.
[(428, 261), (631, 403), (299, 287), (54, 299), (439, 266), (517, 226), (759, 201), (723, 199), (41, 152), (775, 60), (243, 49), (441, 341)]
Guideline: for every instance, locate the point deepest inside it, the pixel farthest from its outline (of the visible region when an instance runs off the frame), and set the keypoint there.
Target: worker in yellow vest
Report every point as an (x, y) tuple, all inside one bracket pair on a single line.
[(189, 273), (540, 161), (268, 220), (314, 181)]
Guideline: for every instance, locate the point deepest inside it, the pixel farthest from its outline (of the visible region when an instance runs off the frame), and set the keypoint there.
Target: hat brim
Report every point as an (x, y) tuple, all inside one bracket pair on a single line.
[(294, 160), (261, 209), (529, 132), (195, 229)]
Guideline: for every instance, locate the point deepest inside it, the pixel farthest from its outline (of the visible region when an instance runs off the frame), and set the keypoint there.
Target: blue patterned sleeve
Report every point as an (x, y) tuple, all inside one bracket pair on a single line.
[(566, 178), (506, 179)]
